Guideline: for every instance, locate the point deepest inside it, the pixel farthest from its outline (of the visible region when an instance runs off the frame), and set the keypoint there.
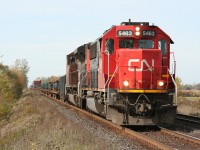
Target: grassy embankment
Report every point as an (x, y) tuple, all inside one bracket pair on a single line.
[(28, 121), (34, 123), (189, 102)]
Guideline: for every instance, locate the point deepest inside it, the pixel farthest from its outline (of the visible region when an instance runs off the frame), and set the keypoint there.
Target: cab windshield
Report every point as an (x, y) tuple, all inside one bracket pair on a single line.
[(149, 44), (126, 43)]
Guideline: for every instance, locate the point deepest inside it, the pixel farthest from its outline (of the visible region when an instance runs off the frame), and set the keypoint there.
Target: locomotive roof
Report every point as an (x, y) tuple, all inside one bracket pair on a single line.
[(135, 23)]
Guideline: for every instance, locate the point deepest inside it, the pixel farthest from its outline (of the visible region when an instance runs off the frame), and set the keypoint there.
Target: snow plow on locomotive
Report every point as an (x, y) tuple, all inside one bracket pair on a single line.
[(125, 75)]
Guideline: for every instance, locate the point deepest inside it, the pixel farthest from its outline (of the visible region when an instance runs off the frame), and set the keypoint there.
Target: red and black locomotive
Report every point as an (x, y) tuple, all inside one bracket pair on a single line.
[(125, 75)]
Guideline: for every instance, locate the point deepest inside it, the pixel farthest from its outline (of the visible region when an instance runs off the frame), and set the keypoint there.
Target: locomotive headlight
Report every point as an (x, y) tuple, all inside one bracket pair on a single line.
[(161, 83), (137, 33), (137, 28), (126, 83)]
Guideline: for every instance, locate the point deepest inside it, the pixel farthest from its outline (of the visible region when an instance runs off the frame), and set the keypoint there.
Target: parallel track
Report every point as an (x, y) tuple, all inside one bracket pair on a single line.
[(128, 132), (187, 122), (188, 118)]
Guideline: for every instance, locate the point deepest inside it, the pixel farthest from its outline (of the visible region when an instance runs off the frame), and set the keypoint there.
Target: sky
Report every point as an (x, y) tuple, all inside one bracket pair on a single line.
[(44, 31)]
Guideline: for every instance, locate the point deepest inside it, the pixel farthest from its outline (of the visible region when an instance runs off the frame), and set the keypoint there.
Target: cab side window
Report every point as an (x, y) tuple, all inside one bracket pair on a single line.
[(110, 46), (162, 45)]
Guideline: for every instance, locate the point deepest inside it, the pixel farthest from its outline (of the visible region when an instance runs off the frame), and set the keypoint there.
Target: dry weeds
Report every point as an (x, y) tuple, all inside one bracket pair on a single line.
[(35, 124), (189, 105)]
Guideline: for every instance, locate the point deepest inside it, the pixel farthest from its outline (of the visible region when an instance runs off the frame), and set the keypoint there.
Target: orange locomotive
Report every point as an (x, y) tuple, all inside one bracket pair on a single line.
[(125, 75)]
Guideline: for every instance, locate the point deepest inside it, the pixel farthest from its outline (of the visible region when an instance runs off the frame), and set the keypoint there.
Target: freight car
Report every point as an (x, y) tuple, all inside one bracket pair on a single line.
[(37, 83), (62, 82), (51, 88), (127, 75)]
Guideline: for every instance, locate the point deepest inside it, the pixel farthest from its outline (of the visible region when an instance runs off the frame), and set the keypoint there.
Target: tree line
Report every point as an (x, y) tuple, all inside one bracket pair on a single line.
[(183, 86), (187, 90), (12, 82)]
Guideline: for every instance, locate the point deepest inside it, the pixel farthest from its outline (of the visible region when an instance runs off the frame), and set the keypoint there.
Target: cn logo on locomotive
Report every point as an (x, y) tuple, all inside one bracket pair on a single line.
[(132, 67)]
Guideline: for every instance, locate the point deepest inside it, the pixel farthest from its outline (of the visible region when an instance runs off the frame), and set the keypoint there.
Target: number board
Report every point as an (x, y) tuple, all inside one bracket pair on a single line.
[(148, 33), (124, 33)]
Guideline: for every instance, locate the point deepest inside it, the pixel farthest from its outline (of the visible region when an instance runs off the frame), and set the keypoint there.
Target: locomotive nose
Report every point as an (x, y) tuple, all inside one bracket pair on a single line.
[(139, 68)]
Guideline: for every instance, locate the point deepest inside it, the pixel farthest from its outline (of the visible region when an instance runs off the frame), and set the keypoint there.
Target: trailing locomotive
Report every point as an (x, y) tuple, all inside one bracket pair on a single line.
[(124, 75)]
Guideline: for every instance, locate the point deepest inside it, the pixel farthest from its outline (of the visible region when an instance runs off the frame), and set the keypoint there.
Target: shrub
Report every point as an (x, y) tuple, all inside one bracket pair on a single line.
[(12, 82), (5, 109)]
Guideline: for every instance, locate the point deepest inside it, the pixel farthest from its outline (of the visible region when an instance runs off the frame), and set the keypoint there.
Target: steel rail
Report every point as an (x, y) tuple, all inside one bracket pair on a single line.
[(119, 129), (180, 135), (188, 118)]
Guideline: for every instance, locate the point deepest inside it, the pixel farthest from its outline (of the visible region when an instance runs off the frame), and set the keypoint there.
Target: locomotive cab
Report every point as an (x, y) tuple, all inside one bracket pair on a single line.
[(136, 66)]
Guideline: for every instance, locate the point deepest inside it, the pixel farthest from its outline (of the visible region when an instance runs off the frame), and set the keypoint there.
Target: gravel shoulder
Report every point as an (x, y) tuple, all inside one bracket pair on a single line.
[(38, 123), (172, 141)]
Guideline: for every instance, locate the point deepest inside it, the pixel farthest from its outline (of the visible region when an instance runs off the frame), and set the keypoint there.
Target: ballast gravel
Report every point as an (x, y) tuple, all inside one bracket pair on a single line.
[(113, 140), (172, 141)]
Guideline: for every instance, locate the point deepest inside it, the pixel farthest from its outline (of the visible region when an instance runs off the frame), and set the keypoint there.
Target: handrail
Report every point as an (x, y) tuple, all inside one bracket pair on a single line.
[(80, 82), (175, 87), (174, 69), (112, 78), (108, 88), (108, 73)]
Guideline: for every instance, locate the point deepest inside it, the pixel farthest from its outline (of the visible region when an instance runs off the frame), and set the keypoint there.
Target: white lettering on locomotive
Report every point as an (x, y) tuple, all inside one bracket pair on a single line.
[(143, 62)]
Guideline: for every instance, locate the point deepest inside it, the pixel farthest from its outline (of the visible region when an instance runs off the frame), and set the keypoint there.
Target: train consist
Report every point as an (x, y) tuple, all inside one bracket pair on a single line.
[(126, 76)]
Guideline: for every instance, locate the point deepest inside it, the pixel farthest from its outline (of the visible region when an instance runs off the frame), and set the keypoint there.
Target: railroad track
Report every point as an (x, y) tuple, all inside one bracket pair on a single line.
[(173, 139), (187, 121), (188, 118), (153, 143), (186, 139)]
